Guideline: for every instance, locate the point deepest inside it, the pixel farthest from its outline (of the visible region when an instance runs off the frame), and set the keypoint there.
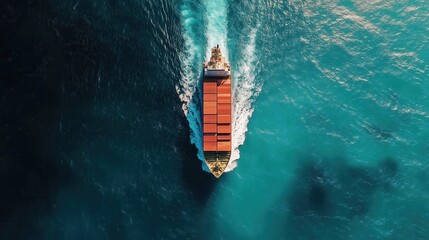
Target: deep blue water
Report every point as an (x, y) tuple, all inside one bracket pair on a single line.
[(100, 129)]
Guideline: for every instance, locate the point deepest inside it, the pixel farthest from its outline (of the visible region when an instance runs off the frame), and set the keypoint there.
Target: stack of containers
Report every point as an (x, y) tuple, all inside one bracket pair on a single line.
[(209, 115), (217, 114), (224, 114)]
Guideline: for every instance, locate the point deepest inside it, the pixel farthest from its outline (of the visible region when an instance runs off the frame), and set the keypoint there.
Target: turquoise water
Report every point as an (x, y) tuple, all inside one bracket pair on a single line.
[(334, 98), (101, 131)]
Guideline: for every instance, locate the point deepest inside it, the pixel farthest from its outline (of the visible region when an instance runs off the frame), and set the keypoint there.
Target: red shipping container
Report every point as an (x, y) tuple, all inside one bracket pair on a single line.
[(209, 87), (209, 104), (209, 137), (210, 110), (223, 137), (224, 119), (210, 118), (209, 97), (210, 84), (224, 111), (224, 146), (224, 108), (224, 89), (210, 146), (224, 98), (224, 128), (209, 128)]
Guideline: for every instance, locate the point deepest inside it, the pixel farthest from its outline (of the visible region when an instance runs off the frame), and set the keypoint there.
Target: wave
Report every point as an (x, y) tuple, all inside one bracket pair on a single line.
[(245, 88), (191, 61), (216, 30)]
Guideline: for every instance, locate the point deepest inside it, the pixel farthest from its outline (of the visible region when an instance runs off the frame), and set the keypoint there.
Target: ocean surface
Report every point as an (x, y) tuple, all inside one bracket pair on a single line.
[(100, 136)]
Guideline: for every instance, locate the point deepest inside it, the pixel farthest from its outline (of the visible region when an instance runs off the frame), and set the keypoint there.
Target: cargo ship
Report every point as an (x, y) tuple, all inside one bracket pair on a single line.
[(216, 117)]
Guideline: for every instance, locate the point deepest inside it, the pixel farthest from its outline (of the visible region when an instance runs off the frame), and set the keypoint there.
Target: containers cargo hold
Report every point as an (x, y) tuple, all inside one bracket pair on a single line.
[(224, 128), (210, 110), (210, 137), (210, 87), (209, 84), (209, 97), (224, 98), (210, 118), (224, 108), (221, 137), (223, 119), (210, 146), (217, 113), (224, 145), (210, 128), (224, 90), (209, 105)]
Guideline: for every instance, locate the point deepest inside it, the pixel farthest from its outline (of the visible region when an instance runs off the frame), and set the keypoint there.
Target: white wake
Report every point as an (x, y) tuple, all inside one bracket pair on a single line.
[(216, 30), (245, 88), (191, 61)]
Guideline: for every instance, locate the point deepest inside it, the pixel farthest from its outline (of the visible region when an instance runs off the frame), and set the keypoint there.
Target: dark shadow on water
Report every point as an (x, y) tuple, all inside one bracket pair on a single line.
[(326, 195), (387, 174), (199, 182)]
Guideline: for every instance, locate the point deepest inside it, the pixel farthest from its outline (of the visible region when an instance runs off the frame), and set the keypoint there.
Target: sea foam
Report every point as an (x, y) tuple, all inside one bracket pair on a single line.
[(191, 60), (245, 87)]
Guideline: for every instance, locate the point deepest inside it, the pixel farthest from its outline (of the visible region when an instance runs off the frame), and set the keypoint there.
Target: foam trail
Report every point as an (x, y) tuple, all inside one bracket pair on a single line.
[(191, 60), (216, 31), (246, 89)]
